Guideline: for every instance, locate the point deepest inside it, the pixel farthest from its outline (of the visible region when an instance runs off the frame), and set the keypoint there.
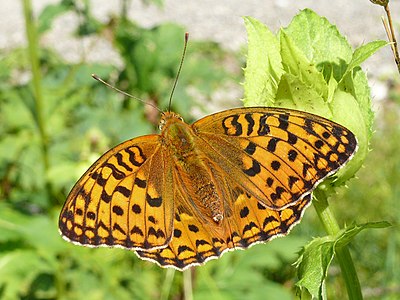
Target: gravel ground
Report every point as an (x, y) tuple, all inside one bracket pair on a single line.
[(220, 21)]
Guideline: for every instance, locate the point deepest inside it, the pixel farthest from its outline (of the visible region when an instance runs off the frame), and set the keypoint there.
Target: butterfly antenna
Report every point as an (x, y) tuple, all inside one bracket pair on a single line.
[(124, 93), (179, 70)]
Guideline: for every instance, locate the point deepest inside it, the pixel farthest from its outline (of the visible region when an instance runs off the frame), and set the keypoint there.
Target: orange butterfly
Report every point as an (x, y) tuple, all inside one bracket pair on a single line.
[(185, 196)]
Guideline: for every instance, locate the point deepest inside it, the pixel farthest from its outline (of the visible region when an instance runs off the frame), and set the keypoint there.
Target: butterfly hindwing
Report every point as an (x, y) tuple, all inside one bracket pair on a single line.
[(195, 242), (121, 201)]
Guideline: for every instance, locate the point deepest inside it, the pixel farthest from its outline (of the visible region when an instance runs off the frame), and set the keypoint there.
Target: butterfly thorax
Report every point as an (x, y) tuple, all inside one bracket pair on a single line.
[(190, 164), (177, 136)]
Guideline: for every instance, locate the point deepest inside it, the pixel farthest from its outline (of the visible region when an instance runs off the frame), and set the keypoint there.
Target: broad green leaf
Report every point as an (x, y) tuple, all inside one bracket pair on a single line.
[(313, 264), (297, 64), (363, 52), (263, 67), (315, 258), (320, 42), (362, 93), (293, 93), (347, 112)]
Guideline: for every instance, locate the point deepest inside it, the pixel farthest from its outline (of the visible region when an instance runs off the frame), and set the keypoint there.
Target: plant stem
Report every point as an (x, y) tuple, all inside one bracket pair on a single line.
[(187, 285), (167, 284), (342, 253), (391, 36), (38, 111)]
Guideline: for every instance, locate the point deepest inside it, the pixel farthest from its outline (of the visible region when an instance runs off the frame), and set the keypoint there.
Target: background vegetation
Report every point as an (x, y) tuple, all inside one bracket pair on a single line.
[(55, 120)]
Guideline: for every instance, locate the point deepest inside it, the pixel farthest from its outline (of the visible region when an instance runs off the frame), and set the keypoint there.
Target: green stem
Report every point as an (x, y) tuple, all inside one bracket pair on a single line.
[(342, 253), (166, 287), (33, 52), (187, 285)]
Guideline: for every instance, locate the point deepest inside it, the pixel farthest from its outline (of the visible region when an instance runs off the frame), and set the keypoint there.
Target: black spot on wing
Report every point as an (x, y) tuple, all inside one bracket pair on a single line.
[(177, 217), (249, 226), (268, 220), (292, 139), (177, 233), (157, 233), (292, 180), (244, 212), (117, 174), (283, 122), (278, 193), (137, 230), (201, 242), (309, 127), (251, 148), (91, 215), (263, 127), (118, 210), (136, 209), (121, 163), (270, 181), (153, 202), (254, 169), (275, 165), (140, 183), (105, 197), (318, 144), (250, 123), (326, 135), (123, 190), (232, 126), (100, 180), (305, 169), (193, 228), (116, 227), (271, 147), (184, 248), (136, 159), (292, 154)]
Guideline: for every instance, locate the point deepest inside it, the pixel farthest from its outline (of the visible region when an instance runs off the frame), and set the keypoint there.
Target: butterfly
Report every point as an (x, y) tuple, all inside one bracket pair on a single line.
[(187, 195)]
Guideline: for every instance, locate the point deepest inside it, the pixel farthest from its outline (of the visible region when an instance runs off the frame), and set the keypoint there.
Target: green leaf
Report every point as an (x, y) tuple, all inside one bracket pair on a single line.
[(264, 64), (297, 64), (18, 271), (346, 235), (320, 75), (293, 93), (316, 257), (320, 42), (363, 52), (347, 112), (313, 264)]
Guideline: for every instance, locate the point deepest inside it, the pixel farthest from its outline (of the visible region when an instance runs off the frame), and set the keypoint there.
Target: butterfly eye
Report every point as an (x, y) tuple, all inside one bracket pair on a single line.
[(161, 124)]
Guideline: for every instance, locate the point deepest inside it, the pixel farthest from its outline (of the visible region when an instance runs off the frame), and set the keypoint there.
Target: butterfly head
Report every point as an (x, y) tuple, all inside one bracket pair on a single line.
[(167, 118)]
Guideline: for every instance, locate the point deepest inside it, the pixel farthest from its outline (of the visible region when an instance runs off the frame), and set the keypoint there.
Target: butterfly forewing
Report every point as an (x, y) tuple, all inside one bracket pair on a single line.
[(121, 201), (281, 154)]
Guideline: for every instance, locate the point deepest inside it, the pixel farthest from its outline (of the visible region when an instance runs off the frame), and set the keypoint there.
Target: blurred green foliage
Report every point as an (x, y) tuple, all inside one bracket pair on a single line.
[(82, 119)]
